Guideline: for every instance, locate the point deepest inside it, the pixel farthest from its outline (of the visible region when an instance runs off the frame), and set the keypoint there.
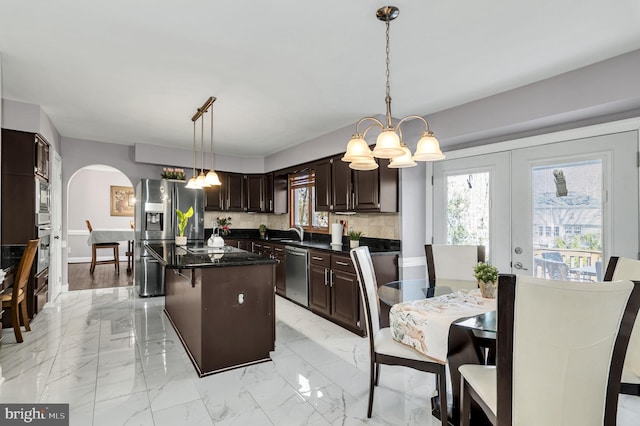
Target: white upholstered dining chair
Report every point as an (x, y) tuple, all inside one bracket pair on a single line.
[(383, 349), (560, 351), (452, 265), (622, 268)]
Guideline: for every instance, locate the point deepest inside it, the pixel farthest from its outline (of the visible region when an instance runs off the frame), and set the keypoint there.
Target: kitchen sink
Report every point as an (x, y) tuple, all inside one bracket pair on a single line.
[(285, 240)]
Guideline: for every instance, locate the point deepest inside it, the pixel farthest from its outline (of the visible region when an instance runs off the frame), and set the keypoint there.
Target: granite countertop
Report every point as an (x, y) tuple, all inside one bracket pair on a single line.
[(198, 255), (321, 245)]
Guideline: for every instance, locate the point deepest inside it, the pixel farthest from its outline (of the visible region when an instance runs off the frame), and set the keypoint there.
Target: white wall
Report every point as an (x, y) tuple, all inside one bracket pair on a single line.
[(89, 192)]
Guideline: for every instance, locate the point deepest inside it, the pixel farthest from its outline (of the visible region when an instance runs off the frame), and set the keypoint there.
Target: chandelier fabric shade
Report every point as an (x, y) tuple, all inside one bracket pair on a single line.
[(211, 178), (389, 143)]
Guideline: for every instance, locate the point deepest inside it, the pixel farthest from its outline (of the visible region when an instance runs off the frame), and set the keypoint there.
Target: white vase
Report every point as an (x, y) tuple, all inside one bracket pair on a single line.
[(354, 243), (488, 290), (181, 241)]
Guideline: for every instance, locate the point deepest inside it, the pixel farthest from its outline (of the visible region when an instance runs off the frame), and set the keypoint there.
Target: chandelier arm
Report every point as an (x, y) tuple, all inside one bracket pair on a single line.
[(378, 122), (413, 116), (369, 127)]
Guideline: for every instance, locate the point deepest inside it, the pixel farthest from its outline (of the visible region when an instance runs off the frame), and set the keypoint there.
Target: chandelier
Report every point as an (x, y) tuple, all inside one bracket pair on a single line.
[(389, 143), (211, 178)]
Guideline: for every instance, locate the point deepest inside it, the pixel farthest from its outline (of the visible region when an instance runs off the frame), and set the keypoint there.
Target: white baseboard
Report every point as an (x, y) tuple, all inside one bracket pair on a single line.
[(88, 259)]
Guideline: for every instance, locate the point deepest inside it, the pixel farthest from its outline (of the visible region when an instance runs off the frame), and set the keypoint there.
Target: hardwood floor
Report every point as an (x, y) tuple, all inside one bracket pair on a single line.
[(103, 277)]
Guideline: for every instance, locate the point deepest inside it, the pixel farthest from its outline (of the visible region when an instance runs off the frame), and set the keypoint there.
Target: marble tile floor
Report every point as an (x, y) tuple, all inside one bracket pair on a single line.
[(116, 360)]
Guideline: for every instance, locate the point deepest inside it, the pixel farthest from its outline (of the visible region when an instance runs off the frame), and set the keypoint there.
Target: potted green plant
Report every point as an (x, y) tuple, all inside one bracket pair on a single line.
[(263, 230), (354, 238), (183, 218), (487, 276)]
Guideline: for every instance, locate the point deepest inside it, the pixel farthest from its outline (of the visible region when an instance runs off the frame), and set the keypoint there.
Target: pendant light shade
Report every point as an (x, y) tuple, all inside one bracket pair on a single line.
[(405, 160), (389, 142), (191, 184), (428, 148), (212, 178), (357, 149), (364, 164)]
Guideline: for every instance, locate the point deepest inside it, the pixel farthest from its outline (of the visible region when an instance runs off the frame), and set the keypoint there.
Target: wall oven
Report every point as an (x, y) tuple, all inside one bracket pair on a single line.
[(43, 201), (44, 233)]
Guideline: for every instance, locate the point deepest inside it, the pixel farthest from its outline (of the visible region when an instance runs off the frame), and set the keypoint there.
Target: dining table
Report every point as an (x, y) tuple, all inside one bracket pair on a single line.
[(98, 236), (452, 327)]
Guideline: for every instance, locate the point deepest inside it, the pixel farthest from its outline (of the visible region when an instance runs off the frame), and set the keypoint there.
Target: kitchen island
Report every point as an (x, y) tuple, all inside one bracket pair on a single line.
[(221, 303)]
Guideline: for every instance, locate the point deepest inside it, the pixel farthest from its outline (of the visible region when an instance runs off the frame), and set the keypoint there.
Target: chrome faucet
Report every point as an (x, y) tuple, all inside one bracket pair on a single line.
[(299, 230)]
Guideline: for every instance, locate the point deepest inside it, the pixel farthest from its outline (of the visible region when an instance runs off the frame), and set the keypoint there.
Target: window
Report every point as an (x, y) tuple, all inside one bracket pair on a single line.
[(302, 196)]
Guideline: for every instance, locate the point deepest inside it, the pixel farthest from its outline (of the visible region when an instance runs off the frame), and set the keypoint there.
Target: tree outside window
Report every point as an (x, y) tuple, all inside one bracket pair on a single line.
[(302, 196)]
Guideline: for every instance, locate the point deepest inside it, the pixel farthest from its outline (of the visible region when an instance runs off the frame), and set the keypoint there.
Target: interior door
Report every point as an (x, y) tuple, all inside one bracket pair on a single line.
[(574, 204)]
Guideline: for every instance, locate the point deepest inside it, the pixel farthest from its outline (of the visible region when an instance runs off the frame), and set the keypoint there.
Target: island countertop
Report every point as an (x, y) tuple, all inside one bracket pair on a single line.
[(199, 255)]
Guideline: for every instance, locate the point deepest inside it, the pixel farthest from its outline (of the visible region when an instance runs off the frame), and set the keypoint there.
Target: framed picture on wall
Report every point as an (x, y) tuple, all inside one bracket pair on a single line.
[(122, 200)]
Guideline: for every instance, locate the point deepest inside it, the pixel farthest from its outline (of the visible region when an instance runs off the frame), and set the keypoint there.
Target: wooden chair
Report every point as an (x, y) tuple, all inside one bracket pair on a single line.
[(561, 346), (16, 298), (452, 266), (383, 349), (622, 268), (115, 246)]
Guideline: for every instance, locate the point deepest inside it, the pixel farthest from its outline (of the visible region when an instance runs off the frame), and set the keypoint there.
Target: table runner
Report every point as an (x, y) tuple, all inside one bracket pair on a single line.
[(424, 324)]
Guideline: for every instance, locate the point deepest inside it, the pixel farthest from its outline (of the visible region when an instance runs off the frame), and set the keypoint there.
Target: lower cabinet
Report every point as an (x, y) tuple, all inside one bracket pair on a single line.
[(334, 292), (41, 291), (281, 269)]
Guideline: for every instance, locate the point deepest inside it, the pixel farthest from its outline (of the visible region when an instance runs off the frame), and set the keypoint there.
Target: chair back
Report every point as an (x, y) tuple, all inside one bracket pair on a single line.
[(622, 268), (560, 346), (368, 289), (452, 265), (89, 225), (24, 269)]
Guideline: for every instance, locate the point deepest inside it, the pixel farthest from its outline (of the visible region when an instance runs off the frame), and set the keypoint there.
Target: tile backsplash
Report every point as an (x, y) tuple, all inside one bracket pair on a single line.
[(374, 225)]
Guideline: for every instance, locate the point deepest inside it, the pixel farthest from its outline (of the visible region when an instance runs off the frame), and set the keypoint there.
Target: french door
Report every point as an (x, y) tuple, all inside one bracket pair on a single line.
[(556, 211)]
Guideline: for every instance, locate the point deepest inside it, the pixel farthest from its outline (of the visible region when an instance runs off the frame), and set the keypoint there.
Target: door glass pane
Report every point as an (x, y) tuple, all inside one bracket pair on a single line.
[(567, 220), (468, 209)]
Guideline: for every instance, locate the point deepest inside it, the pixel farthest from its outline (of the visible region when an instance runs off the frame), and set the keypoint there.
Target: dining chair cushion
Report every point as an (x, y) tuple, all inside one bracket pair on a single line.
[(629, 269), (385, 344), (564, 329), (483, 379)]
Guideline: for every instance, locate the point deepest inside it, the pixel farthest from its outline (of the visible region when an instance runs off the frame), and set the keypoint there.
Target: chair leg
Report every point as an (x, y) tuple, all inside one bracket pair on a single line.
[(116, 257), (378, 374), (465, 403), (15, 319), (371, 387), (441, 380), (93, 259), (25, 315)]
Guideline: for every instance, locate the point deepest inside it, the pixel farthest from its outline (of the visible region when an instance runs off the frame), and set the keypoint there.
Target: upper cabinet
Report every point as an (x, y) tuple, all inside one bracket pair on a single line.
[(227, 197), (25, 154), (345, 190), (259, 195)]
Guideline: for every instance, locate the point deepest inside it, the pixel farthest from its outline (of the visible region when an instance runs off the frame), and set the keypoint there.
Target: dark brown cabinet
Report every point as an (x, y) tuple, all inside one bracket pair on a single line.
[(334, 292), (259, 193), (323, 185), (227, 197), (280, 193), (281, 269), (25, 159), (354, 190)]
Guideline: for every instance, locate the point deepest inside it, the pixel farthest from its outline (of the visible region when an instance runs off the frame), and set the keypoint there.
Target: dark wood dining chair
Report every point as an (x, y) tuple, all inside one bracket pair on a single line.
[(115, 246), (452, 265), (16, 298), (561, 346), (622, 268), (382, 348)]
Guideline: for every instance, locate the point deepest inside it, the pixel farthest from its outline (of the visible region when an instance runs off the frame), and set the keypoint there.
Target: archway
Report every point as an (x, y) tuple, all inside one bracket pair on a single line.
[(89, 197)]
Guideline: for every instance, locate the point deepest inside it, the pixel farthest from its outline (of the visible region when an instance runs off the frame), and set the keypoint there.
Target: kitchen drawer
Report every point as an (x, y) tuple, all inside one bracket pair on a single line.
[(342, 263), (41, 298), (320, 258)]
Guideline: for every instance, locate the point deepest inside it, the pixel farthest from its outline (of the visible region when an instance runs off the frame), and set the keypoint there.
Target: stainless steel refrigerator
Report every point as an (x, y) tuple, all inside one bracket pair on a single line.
[(156, 221)]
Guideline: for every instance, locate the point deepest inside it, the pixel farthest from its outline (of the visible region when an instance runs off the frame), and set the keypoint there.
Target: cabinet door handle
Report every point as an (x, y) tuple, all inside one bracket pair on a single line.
[(347, 195), (330, 278), (317, 258), (341, 263), (270, 205), (325, 276), (353, 200)]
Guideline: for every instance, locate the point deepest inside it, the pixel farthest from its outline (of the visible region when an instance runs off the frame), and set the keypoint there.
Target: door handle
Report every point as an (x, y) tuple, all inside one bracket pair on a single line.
[(518, 265)]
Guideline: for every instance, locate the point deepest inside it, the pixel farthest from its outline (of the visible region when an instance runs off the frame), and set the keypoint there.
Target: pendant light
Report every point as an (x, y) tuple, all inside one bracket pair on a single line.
[(211, 178), (389, 143)]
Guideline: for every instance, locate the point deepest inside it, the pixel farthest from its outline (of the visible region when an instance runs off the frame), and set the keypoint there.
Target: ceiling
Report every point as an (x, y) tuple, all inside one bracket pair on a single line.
[(285, 71)]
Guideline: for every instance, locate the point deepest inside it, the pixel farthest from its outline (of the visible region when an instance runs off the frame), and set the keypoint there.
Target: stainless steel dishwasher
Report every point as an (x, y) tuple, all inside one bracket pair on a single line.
[(297, 267)]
